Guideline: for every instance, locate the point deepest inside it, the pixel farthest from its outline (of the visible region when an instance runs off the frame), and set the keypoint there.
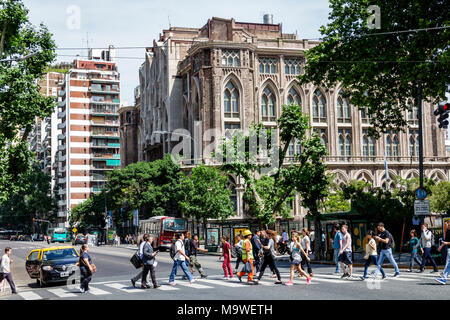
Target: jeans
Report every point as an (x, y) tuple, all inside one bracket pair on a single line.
[(427, 254), (412, 259), (447, 265), (372, 260), (386, 253), (85, 278), (9, 278), (182, 264), (269, 261), (336, 260)]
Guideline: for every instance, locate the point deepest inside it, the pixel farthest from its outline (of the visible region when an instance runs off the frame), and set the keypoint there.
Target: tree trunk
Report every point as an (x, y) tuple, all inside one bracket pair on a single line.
[(2, 42), (317, 238)]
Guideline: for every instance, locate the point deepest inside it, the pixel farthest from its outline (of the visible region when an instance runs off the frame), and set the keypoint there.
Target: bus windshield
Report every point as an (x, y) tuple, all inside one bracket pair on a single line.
[(60, 231), (174, 224)]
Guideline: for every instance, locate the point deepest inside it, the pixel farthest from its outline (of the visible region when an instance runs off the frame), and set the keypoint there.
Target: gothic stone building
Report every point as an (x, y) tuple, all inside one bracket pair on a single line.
[(230, 74)]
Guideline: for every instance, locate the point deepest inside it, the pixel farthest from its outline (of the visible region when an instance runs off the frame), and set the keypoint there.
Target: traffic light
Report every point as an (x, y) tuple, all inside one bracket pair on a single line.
[(442, 111)]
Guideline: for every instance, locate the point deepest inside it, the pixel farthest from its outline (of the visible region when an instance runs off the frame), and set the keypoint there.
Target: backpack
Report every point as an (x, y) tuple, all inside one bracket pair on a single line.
[(392, 245), (187, 247)]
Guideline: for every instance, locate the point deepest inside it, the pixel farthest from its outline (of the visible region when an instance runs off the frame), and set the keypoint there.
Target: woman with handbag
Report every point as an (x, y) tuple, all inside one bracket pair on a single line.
[(296, 259), (371, 254), (87, 268), (269, 255)]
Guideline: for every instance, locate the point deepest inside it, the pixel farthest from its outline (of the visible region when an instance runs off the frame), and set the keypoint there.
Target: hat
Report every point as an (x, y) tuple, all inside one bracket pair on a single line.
[(247, 232)]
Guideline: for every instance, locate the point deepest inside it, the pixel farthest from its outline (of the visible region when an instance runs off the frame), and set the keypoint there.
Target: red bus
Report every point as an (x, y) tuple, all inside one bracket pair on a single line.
[(163, 229)]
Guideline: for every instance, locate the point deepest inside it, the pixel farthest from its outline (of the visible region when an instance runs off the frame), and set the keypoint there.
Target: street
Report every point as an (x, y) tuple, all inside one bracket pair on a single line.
[(112, 281)]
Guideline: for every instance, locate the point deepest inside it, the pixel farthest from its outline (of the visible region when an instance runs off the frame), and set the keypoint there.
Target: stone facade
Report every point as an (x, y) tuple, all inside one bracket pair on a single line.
[(230, 74)]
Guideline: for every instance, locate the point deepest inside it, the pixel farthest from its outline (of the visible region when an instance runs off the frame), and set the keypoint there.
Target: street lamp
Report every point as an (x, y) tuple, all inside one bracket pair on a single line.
[(21, 58)]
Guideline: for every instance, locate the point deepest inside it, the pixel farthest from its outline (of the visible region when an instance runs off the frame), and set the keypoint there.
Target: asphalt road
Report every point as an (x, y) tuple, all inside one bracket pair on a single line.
[(112, 281)]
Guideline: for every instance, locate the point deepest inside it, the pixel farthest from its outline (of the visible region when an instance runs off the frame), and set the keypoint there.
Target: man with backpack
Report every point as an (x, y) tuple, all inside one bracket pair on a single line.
[(179, 257), (427, 242), (191, 248), (387, 244)]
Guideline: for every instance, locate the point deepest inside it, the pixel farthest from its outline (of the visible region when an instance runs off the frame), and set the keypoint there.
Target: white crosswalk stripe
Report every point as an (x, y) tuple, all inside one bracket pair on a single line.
[(97, 291), (28, 295), (121, 287), (193, 285), (61, 293), (167, 288), (225, 283)]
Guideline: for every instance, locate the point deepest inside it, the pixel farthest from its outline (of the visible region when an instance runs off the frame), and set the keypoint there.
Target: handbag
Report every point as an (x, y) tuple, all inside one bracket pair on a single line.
[(136, 261), (247, 268)]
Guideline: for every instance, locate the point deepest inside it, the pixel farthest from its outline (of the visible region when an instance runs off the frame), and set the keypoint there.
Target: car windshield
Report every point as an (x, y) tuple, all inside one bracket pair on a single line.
[(174, 225), (60, 254)]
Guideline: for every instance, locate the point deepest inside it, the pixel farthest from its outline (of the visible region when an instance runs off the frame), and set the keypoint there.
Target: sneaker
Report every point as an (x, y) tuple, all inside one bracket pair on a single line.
[(81, 290), (145, 287), (240, 278), (192, 281), (409, 270), (133, 283), (289, 283), (441, 280), (157, 286), (363, 278), (203, 276), (308, 280), (87, 291), (225, 278), (383, 277), (172, 283), (397, 274), (350, 277), (278, 282), (420, 271), (345, 275)]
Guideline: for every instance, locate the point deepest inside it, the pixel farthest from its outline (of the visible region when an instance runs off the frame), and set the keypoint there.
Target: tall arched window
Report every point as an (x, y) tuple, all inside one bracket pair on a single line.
[(345, 143), (392, 145), (268, 105), (388, 146), (343, 110), (413, 143), (368, 145), (231, 101), (233, 197), (293, 97), (319, 107)]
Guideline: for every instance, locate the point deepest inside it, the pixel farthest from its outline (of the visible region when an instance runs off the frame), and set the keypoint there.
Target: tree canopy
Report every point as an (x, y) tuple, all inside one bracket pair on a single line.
[(379, 68)]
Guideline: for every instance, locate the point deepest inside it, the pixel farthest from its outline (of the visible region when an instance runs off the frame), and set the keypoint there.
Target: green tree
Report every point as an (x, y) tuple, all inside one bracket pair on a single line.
[(152, 186), (440, 199), (379, 68), (90, 213), (268, 193), (335, 200), (206, 195), (20, 99)]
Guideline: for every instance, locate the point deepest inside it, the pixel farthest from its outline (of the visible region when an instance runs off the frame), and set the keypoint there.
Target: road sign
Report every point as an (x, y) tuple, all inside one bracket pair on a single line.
[(74, 230), (421, 193), (421, 207)]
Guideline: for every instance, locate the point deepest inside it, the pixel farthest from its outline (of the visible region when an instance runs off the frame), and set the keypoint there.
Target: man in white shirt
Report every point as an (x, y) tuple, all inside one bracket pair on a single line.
[(5, 269), (179, 261), (426, 243)]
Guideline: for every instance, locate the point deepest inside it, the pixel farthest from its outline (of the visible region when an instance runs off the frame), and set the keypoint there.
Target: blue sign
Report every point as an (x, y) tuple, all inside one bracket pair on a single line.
[(421, 194)]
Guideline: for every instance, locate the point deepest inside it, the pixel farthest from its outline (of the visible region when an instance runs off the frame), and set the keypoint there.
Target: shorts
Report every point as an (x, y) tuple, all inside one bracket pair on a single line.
[(346, 257), (296, 261)]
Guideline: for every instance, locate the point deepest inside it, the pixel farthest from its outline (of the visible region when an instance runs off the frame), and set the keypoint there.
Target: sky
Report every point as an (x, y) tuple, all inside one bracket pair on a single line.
[(138, 22)]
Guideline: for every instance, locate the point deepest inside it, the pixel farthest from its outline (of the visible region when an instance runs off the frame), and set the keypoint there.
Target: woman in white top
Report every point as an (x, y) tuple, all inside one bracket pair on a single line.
[(296, 250), (238, 247), (306, 245), (371, 254)]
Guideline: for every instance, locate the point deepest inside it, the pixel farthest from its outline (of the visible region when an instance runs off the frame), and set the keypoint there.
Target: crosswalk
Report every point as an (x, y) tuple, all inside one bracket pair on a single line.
[(211, 283)]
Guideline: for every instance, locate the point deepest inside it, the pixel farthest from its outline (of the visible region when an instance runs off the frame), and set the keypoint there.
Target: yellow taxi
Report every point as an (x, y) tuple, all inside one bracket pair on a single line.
[(48, 265)]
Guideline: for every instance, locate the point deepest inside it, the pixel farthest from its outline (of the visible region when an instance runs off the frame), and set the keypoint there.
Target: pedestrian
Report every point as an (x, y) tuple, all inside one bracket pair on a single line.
[(179, 260), (87, 268), (226, 254), (5, 269), (238, 247), (256, 245), (247, 257), (445, 243), (148, 260), (268, 246), (306, 245), (140, 253), (285, 236), (296, 259), (371, 254), (193, 260), (426, 242), (414, 245), (387, 243), (345, 253), (337, 246)]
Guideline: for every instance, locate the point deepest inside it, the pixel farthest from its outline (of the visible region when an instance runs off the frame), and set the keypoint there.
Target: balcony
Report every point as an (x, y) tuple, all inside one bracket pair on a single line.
[(61, 125), (105, 124), (105, 134), (105, 156), (109, 145), (62, 93), (61, 192), (61, 158), (103, 91), (62, 180), (61, 147), (61, 136), (48, 127), (61, 114), (103, 80), (62, 169), (103, 102), (62, 103)]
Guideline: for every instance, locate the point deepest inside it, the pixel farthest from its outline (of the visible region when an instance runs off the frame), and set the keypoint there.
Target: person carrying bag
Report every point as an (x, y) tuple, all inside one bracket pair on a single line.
[(87, 268)]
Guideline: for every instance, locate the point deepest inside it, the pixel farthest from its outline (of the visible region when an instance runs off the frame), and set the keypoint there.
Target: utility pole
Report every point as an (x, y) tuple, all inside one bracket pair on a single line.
[(419, 114)]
